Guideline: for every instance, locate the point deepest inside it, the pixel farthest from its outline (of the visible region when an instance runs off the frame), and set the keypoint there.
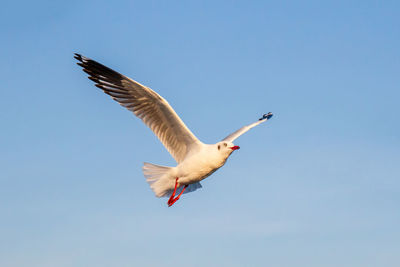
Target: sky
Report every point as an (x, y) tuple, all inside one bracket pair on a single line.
[(317, 185)]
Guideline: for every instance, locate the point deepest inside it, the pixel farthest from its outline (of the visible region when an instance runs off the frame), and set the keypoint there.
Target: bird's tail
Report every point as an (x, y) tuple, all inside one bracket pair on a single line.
[(157, 177), (160, 181)]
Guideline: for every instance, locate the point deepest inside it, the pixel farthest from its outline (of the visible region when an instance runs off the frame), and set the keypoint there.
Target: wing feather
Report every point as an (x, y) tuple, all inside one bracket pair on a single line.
[(236, 134), (146, 104)]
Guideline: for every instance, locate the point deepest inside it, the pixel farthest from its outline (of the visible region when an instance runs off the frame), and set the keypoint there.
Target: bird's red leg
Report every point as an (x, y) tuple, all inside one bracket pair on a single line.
[(171, 198), (170, 203)]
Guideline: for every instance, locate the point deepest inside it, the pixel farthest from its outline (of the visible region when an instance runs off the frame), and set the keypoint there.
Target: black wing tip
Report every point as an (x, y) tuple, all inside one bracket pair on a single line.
[(266, 116), (78, 57), (81, 58), (98, 72), (99, 86), (96, 80)]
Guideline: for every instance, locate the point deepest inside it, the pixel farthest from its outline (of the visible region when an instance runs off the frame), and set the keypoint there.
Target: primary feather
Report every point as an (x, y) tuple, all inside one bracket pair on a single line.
[(146, 104)]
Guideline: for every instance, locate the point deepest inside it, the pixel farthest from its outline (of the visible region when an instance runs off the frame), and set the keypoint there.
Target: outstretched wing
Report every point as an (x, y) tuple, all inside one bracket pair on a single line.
[(146, 104), (234, 135)]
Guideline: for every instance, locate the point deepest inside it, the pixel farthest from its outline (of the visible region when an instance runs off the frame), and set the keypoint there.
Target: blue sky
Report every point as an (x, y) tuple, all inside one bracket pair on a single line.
[(318, 185)]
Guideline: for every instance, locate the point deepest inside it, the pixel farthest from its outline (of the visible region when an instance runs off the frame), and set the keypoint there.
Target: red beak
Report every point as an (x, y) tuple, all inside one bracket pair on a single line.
[(235, 147)]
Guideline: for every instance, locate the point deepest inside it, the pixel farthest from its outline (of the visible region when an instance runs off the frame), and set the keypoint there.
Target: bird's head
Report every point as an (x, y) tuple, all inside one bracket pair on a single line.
[(226, 147)]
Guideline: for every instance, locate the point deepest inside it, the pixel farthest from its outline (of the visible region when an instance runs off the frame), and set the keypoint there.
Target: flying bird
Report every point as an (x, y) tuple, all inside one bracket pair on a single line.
[(196, 160)]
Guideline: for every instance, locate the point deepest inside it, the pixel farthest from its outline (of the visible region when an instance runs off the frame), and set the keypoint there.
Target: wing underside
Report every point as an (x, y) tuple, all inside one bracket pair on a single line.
[(236, 134), (146, 104)]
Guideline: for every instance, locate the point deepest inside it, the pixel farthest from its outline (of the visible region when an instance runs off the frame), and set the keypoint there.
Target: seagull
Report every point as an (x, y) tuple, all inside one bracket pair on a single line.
[(195, 160)]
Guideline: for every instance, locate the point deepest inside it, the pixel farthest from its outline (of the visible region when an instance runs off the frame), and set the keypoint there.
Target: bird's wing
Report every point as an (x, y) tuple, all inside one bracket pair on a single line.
[(234, 135), (146, 104)]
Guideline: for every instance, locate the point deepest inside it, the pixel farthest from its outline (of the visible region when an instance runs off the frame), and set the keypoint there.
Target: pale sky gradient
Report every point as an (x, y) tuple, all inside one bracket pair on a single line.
[(318, 185)]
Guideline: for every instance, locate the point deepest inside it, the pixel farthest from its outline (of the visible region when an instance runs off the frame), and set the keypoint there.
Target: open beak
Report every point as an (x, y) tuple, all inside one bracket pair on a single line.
[(235, 147)]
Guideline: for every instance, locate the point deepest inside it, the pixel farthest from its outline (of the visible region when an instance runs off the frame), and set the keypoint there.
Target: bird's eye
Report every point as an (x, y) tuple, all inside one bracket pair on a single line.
[(219, 147), (225, 144)]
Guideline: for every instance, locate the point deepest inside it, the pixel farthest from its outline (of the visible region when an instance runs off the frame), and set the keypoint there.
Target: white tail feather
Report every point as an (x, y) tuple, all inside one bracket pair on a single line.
[(160, 181), (157, 177)]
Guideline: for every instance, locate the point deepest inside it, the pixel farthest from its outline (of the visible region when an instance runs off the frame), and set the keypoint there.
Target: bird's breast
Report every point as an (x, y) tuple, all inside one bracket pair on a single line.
[(198, 168)]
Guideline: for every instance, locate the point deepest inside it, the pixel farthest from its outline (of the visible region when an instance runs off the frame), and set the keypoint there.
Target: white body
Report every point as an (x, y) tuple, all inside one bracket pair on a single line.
[(194, 168), (200, 165)]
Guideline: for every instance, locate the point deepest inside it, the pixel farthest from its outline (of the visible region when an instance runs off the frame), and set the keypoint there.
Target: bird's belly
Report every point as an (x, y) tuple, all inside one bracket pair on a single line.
[(196, 173)]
